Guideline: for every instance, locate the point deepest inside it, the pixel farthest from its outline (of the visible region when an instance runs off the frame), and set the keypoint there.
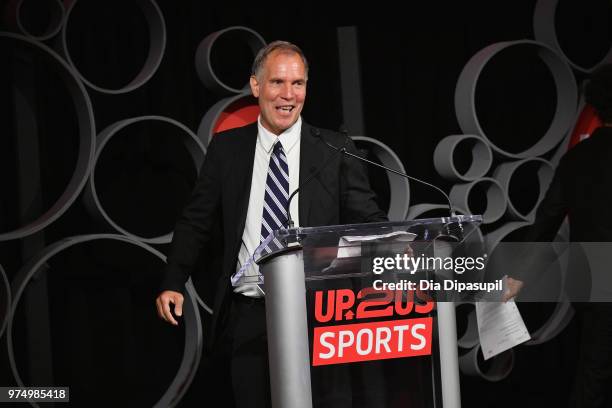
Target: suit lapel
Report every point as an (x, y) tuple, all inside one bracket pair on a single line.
[(243, 174), (309, 154)]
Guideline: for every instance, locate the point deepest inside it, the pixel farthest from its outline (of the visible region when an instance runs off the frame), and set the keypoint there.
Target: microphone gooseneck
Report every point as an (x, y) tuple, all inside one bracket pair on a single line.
[(317, 133)]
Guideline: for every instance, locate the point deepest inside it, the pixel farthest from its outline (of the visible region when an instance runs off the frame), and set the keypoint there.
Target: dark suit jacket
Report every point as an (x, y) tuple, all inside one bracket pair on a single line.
[(340, 194), (581, 189)]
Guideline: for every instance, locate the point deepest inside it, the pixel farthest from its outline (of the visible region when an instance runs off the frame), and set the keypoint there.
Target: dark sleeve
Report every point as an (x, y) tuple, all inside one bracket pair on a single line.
[(551, 211), (196, 223), (358, 201)]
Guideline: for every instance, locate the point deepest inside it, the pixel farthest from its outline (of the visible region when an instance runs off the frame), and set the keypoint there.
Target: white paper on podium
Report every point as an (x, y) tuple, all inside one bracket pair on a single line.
[(349, 245), (500, 327)]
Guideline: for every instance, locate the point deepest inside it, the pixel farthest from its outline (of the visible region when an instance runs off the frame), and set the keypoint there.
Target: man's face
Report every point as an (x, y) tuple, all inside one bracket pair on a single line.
[(281, 90)]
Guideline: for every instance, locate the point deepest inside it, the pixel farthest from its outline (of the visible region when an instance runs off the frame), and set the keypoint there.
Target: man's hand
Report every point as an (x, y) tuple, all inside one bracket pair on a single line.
[(513, 287), (163, 305)]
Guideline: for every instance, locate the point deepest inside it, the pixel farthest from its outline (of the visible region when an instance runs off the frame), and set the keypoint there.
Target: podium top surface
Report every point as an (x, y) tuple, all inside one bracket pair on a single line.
[(347, 238), (430, 223)]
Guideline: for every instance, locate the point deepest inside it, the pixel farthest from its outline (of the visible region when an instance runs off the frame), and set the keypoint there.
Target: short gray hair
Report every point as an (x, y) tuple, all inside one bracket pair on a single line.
[(282, 46)]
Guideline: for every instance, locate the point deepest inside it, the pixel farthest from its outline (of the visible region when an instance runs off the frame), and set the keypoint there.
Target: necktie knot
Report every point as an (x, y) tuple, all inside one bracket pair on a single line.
[(278, 148)]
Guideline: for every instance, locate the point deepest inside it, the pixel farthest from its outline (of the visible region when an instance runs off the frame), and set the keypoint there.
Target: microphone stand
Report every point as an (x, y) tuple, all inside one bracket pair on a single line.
[(454, 230)]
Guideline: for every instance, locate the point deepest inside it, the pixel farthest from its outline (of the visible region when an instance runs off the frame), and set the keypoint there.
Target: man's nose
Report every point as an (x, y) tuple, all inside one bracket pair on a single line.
[(287, 91)]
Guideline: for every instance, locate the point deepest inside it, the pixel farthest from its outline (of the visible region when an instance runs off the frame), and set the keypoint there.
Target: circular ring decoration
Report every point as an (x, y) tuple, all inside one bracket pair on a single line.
[(56, 19), (563, 312), (565, 84), (157, 47), (493, 238), (504, 173), (544, 31), (399, 186), (556, 323), (418, 210), (193, 328), (560, 150), (496, 198), (470, 337), (481, 158), (7, 303), (203, 62), (242, 108), (91, 200), (202, 304), (500, 368), (87, 132)]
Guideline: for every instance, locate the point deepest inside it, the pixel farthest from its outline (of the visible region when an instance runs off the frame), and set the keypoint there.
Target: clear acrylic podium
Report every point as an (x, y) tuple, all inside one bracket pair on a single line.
[(292, 262)]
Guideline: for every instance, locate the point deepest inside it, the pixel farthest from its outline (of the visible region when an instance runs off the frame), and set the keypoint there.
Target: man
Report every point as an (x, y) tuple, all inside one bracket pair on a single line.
[(244, 182), (582, 189)]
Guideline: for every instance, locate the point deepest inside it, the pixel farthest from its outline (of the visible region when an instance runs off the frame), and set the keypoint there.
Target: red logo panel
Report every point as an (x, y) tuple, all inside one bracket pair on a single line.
[(372, 341)]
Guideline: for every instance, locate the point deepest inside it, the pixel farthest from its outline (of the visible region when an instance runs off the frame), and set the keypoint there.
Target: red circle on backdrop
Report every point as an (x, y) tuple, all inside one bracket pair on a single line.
[(240, 113), (585, 125)]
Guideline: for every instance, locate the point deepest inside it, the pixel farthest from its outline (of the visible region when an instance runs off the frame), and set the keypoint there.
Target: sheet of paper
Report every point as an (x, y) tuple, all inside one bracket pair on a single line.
[(500, 327), (395, 235), (350, 245)]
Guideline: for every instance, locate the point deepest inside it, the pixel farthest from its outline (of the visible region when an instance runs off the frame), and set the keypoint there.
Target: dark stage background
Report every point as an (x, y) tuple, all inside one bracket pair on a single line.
[(87, 319)]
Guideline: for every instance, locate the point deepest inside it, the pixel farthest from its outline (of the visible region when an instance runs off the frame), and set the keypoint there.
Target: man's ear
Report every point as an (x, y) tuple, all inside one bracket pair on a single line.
[(254, 86)]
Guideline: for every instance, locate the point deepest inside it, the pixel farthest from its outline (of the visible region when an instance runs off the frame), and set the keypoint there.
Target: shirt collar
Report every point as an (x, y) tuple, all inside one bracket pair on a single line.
[(288, 138)]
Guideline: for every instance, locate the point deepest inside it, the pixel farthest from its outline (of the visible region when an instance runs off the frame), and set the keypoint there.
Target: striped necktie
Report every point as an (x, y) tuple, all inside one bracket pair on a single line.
[(277, 193)]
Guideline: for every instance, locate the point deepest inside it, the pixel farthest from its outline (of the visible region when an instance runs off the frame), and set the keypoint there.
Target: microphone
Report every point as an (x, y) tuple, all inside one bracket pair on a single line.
[(317, 133), (290, 223), (454, 230)]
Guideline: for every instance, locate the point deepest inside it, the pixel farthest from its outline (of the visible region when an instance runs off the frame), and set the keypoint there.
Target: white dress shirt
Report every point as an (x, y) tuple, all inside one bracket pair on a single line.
[(290, 139)]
